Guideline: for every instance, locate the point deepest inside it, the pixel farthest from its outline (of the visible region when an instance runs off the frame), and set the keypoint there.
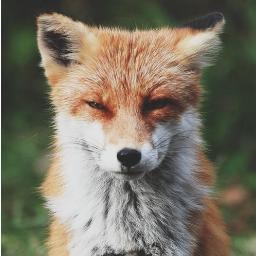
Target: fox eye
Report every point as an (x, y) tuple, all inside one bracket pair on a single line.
[(96, 105), (156, 104)]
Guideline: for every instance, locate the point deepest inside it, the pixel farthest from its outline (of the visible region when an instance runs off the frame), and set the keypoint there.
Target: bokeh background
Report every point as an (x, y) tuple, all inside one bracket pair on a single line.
[(229, 110)]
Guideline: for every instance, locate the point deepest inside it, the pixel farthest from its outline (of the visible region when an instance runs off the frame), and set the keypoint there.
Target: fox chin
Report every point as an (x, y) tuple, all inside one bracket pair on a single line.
[(129, 175)]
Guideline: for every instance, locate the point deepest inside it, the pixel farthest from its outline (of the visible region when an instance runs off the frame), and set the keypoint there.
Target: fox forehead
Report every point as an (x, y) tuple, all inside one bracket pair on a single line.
[(135, 55), (140, 60)]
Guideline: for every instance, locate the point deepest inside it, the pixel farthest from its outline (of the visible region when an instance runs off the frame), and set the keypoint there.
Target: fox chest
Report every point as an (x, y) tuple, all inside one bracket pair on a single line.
[(93, 241), (123, 233), (129, 226)]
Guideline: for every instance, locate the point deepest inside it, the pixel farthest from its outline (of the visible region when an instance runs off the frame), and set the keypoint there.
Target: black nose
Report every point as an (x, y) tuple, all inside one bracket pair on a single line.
[(128, 157)]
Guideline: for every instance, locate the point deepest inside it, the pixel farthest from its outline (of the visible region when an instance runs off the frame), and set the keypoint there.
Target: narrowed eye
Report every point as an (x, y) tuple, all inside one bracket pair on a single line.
[(156, 104), (95, 105)]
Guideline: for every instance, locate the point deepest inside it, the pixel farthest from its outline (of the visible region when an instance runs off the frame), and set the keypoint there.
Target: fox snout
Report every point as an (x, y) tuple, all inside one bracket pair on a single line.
[(122, 160), (130, 158)]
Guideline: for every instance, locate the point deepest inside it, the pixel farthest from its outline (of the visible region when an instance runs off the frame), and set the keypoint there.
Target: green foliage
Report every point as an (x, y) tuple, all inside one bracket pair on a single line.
[(244, 246), (229, 108)]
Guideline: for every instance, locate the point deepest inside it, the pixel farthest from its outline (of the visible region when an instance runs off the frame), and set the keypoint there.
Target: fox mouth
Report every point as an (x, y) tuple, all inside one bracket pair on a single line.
[(128, 175)]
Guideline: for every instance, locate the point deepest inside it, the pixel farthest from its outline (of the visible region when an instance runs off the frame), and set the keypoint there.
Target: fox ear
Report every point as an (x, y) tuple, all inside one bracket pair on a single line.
[(62, 42), (200, 41)]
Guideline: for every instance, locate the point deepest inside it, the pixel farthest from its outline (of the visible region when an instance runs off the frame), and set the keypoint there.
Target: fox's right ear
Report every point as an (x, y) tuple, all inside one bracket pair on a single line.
[(62, 42)]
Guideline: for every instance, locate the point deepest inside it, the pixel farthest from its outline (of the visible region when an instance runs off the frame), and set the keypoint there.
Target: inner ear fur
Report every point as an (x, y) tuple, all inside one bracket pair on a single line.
[(62, 42), (57, 38)]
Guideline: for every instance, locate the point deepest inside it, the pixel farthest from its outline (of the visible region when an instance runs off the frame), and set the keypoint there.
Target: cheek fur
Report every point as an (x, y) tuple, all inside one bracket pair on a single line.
[(72, 130), (108, 158), (161, 138)]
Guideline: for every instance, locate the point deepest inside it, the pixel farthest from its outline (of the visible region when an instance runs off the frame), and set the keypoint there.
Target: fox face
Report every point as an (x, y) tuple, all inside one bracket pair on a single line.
[(122, 98)]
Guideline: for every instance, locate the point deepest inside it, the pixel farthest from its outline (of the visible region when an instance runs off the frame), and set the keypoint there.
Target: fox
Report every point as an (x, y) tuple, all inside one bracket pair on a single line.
[(129, 174)]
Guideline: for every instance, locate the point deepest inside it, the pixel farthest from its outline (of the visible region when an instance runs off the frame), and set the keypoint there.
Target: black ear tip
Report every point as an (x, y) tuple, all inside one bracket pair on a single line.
[(206, 22), (216, 16)]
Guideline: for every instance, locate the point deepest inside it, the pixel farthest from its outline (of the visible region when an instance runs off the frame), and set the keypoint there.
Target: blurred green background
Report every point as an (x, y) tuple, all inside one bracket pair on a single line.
[(229, 110)]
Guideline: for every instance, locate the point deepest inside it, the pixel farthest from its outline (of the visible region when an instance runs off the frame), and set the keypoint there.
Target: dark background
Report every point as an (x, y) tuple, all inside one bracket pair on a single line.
[(229, 109)]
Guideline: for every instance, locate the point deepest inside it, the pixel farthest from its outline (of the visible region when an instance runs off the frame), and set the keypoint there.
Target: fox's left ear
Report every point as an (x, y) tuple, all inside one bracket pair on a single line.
[(199, 40)]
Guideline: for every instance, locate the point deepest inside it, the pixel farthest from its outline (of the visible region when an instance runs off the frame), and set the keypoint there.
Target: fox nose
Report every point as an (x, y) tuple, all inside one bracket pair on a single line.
[(128, 157)]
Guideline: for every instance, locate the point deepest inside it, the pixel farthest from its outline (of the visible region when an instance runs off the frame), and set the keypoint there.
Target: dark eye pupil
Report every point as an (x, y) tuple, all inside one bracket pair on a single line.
[(96, 105), (156, 104)]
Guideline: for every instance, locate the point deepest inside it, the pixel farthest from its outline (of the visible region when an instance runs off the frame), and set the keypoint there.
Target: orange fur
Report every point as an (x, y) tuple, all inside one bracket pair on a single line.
[(211, 231), (53, 184), (58, 240), (212, 237)]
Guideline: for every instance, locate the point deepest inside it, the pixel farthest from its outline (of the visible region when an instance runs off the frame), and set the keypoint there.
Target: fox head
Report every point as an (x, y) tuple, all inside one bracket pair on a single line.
[(122, 98)]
